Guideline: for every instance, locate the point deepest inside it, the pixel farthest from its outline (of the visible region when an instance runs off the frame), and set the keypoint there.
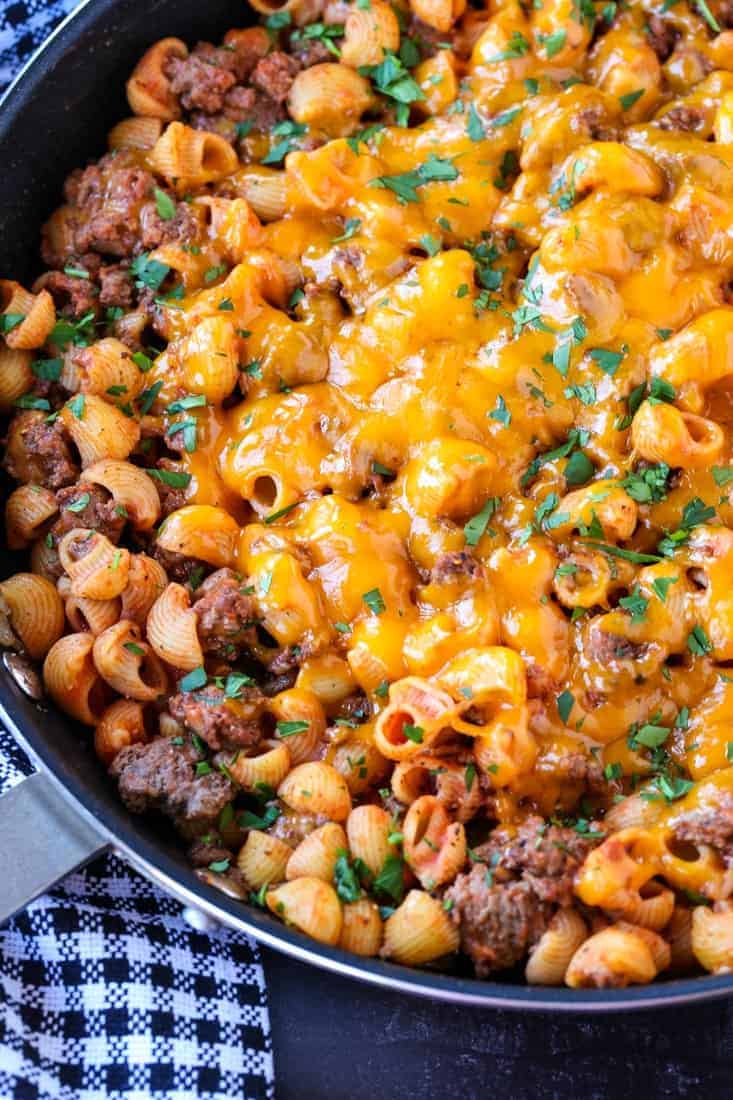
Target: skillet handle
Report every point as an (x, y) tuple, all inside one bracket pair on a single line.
[(43, 839)]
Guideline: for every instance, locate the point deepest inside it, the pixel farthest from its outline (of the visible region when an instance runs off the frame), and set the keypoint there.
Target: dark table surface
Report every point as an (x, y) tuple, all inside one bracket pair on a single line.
[(343, 1040)]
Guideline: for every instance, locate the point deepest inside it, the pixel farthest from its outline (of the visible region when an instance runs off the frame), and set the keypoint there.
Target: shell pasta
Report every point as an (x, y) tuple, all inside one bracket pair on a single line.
[(371, 438)]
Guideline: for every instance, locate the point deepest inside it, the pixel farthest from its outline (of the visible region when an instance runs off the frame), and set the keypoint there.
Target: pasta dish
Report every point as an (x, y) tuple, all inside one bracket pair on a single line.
[(370, 433)]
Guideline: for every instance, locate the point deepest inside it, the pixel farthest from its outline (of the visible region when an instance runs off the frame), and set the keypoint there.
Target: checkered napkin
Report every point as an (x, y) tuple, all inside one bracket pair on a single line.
[(105, 991), (24, 24)]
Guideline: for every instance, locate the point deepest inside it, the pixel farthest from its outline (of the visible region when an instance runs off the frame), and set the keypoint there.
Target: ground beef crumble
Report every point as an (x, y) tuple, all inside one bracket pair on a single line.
[(712, 826), (89, 506), (107, 198), (39, 452), (662, 36), (683, 118), (243, 81), (222, 723), (226, 615), (162, 776), (504, 903), (498, 924)]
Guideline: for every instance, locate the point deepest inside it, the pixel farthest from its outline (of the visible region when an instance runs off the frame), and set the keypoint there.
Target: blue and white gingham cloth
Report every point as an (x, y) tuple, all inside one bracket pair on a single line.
[(105, 992), (24, 25)]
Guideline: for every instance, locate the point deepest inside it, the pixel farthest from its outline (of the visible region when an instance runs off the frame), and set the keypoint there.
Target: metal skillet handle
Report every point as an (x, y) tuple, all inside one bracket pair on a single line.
[(43, 839)]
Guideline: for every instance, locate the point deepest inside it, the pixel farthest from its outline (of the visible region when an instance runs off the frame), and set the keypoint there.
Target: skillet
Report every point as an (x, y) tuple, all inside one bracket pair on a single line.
[(54, 118)]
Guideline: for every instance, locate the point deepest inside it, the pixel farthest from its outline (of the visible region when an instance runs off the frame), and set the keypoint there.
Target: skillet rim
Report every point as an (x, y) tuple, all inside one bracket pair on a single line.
[(113, 822)]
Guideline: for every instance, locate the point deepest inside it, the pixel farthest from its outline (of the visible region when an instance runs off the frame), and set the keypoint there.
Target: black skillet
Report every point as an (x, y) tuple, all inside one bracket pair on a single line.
[(54, 118)]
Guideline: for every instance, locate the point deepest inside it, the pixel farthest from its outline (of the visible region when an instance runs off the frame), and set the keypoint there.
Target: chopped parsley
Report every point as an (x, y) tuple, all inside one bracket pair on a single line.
[(165, 205), (635, 604), (79, 504), (77, 406), (9, 321), (248, 820), (554, 43), (648, 486), (627, 101), (193, 680), (606, 360), (345, 878), (374, 601), (698, 642), (565, 704), (505, 117), (474, 126), (585, 393), (235, 681), (288, 131), (392, 79), (80, 333), (579, 469), (501, 412), (290, 729), (320, 32), (391, 879), (405, 186), (352, 226), (722, 475), (148, 273), (49, 370), (478, 524), (172, 478), (662, 585)]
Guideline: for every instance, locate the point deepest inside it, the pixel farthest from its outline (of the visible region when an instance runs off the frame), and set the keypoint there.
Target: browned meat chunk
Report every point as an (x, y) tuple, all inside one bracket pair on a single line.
[(545, 857), (226, 614), (503, 904), (310, 51), (287, 660), (454, 565), (238, 62), (607, 649), (498, 923), (275, 74), (88, 506), (355, 708), (578, 767), (108, 197), (171, 498), (115, 287), (162, 776), (275, 684), (199, 83), (662, 36), (595, 121), (713, 827), (39, 452), (178, 567), (202, 853), (70, 293), (540, 684), (241, 105), (156, 231), (245, 48), (683, 118), (222, 723)]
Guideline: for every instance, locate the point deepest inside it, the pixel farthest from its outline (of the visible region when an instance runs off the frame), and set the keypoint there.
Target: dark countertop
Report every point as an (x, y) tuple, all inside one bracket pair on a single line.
[(344, 1040)]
